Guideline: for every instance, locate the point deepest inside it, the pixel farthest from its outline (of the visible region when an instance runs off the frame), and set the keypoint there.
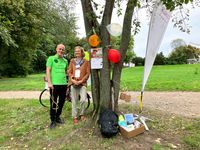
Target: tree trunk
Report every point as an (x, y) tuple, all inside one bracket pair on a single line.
[(105, 91), (101, 84), (126, 34), (89, 24)]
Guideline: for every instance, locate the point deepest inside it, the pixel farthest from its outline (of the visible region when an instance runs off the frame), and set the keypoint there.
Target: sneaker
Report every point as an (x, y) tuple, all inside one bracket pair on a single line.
[(59, 120), (75, 121), (52, 125), (82, 117)]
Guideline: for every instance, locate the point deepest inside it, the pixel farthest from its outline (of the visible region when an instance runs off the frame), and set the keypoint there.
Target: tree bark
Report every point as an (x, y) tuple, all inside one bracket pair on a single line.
[(91, 22), (101, 84), (125, 39), (105, 91)]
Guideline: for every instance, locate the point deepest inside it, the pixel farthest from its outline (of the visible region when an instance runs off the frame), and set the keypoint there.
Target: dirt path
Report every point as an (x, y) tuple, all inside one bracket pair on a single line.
[(181, 103)]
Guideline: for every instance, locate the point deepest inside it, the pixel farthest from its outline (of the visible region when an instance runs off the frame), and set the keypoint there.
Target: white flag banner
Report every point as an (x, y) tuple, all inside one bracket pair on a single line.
[(158, 25)]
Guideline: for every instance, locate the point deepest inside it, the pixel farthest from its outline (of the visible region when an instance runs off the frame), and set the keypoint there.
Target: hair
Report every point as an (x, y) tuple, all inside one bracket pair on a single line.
[(82, 50), (62, 45)]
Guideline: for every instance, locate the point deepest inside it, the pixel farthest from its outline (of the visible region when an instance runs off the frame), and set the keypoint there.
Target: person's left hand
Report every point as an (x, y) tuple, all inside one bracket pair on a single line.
[(80, 82)]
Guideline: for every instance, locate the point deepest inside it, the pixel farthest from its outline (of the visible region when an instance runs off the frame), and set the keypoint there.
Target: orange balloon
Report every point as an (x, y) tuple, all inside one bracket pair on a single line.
[(94, 40)]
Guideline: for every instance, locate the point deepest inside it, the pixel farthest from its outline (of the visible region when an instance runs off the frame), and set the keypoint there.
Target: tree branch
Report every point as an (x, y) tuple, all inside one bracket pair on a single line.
[(91, 21), (126, 34), (89, 15)]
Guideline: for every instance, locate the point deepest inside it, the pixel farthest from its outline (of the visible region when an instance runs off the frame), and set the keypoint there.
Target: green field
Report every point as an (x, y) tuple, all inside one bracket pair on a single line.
[(25, 126), (31, 82), (162, 78)]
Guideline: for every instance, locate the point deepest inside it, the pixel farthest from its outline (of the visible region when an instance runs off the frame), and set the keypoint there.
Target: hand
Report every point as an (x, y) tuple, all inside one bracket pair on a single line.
[(80, 82), (74, 82), (50, 86)]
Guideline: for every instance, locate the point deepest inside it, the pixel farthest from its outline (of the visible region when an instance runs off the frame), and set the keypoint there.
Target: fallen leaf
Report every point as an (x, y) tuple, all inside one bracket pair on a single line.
[(172, 146), (158, 140)]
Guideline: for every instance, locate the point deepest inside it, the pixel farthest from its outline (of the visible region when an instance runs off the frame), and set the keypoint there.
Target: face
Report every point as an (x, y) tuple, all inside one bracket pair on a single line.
[(78, 53), (60, 50)]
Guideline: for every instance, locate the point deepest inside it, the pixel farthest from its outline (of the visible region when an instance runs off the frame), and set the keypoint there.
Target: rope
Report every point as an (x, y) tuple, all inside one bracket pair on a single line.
[(51, 96), (141, 98), (53, 102)]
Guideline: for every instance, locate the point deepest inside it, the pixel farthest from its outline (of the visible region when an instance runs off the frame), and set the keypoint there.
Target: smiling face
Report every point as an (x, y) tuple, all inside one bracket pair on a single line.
[(60, 50), (78, 52)]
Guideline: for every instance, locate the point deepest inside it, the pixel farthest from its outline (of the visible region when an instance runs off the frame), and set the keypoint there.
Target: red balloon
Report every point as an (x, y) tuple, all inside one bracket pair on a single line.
[(114, 55)]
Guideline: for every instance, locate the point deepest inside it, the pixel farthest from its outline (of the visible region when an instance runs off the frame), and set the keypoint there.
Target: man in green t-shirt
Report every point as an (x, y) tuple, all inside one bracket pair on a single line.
[(56, 68)]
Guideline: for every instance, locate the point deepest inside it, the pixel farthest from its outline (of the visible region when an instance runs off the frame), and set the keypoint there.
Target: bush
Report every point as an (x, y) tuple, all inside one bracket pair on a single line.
[(138, 61), (39, 61), (160, 59), (180, 54)]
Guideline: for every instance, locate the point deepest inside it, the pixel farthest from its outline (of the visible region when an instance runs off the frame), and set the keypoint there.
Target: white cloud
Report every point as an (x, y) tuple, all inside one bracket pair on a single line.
[(80, 20), (171, 34)]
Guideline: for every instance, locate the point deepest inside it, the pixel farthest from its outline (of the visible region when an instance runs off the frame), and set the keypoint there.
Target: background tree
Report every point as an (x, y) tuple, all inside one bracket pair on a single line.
[(101, 85), (160, 59), (23, 31), (182, 53), (30, 29), (59, 27), (177, 43), (129, 56), (138, 61), (115, 43)]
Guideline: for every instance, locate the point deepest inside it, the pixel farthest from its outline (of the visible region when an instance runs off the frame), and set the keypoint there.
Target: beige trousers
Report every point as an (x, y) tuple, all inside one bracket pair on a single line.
[(75, 92)]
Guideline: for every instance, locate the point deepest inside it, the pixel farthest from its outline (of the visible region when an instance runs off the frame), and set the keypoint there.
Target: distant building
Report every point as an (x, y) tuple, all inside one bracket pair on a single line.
[(193, 60), (129, 65), (194, 44)]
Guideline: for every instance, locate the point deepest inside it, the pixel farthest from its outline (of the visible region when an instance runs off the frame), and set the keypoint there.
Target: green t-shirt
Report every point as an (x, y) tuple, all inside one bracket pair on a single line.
[(58, 69)]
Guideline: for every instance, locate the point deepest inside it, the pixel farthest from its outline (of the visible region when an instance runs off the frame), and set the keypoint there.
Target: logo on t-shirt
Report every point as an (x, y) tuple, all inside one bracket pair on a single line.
[(56, 60)]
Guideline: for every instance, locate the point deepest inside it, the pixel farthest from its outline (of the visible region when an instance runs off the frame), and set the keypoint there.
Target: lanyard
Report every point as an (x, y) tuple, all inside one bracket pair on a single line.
[(78, 64)]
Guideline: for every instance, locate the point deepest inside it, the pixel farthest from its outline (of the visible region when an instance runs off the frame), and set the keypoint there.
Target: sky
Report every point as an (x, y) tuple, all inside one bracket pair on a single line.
[(141, 38)]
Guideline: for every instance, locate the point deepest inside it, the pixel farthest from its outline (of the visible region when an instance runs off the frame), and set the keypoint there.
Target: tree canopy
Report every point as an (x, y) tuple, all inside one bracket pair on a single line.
[(30, 25), (177, 43), (180, 54)]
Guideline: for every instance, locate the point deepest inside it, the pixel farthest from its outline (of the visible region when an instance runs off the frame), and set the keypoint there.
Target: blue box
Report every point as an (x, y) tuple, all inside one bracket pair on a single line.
[(129, 118)]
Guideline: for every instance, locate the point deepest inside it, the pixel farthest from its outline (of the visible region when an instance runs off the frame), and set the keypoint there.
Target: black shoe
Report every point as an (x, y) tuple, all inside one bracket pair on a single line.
[(52, 125), (59, 120)]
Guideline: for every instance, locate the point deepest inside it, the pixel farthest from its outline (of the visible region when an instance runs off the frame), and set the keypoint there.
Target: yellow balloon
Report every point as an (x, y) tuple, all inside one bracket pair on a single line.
[(87, 56)]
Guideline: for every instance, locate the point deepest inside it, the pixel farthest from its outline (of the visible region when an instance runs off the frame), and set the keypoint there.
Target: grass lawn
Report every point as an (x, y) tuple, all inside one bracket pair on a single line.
[(162, 78), (31, 82), (25, 126)]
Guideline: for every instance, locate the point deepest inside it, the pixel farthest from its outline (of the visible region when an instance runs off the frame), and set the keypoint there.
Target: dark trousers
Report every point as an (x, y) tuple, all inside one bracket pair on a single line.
[(58, 95)]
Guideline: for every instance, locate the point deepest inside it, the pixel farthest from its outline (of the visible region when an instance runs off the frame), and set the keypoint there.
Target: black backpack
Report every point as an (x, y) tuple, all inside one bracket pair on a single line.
[(108, 121)]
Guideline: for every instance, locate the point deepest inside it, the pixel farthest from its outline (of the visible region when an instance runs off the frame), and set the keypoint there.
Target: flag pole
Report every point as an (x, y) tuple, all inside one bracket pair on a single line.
[(141, 98)]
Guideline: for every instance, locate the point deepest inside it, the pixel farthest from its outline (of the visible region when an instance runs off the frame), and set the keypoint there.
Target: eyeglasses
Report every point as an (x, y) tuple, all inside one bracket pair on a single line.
[(61, 49)]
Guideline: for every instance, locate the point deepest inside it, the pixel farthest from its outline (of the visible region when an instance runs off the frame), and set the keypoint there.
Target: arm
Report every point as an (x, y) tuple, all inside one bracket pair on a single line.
[(70, 70), (70, 73), (85, 78), (48, 74)]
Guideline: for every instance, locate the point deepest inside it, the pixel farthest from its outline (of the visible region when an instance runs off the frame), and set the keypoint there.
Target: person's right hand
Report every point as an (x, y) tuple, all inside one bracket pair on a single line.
[(74, 82), (50, 86)]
